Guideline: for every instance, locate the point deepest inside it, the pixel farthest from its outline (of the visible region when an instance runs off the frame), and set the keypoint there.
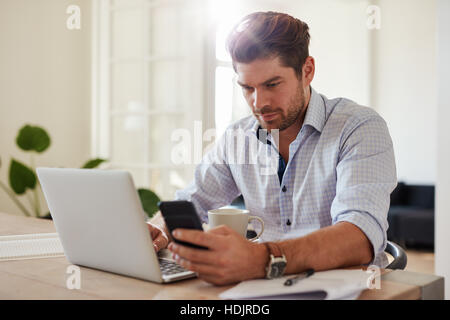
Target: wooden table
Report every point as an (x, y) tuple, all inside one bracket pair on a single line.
[(46, 278)]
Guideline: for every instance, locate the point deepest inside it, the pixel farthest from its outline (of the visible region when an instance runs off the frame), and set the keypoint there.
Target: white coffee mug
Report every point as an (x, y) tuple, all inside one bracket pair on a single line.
[(236, 219)]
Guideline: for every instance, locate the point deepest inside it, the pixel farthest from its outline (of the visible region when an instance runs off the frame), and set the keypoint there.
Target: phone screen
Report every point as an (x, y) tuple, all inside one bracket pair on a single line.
[(181, 214)]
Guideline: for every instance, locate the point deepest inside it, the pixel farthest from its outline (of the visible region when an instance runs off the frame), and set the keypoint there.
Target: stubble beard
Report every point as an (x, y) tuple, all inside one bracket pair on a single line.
[(294, 112)]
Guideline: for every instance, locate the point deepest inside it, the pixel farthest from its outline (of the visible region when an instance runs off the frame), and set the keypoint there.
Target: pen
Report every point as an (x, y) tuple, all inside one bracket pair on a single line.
[(306, 274)]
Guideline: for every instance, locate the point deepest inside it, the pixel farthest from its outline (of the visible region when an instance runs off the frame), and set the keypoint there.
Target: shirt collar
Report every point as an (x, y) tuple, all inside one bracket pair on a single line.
[(315, 114)]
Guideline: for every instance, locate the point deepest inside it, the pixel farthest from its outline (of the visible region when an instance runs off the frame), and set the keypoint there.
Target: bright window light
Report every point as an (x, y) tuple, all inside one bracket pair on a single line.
[(224, 98), (225, 14)]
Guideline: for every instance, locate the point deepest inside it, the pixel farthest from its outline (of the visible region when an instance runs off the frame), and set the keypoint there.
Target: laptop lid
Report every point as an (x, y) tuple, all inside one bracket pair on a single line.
[(100, 220)]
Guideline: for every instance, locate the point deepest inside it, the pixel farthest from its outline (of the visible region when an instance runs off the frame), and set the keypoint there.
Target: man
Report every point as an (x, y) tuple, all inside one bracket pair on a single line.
[(327, 206)]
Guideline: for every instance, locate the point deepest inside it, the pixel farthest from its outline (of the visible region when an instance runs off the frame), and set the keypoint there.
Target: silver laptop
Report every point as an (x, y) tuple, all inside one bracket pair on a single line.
[(101, 223)]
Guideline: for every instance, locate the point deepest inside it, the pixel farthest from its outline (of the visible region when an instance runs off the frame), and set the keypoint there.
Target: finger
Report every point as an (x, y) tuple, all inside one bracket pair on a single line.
[(153, 230), (214, 279), (155, 234), (222, 230), (195, 255), (197, 237), (218, 280), (201, 269), (160, 242)]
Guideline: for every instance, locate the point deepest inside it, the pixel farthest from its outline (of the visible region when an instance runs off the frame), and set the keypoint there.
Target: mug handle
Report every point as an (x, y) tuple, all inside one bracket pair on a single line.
[(250, 218)]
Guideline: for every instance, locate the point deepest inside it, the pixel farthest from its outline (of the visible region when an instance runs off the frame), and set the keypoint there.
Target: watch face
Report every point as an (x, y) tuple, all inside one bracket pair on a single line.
[(277, 269)]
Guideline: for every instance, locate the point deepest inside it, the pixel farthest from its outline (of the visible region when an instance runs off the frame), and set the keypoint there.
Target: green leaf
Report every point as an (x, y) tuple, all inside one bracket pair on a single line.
[(33, 139), (21, 177), (149, 201), (93, 163)]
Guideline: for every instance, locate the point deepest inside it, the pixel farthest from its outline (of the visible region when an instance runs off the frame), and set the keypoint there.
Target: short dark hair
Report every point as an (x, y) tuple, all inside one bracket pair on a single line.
[(261, 35)]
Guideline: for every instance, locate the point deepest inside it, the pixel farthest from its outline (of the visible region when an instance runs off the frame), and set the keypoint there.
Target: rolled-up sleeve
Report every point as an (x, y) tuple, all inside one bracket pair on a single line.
[(366, 176), (213, 185)]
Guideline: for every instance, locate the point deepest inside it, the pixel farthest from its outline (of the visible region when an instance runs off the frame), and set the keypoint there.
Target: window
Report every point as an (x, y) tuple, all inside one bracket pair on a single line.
[(147, 83)]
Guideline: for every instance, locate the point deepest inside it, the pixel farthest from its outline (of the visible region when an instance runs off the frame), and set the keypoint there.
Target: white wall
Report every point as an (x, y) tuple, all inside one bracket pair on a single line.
[(442, 222), (44, 80), (404, 84), (340, 46)]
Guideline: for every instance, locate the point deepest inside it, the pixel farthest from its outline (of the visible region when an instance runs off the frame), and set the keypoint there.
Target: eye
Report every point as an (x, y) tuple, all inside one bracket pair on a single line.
[(272, 85)]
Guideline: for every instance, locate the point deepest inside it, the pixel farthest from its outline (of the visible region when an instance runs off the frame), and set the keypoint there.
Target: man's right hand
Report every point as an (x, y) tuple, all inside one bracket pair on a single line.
[(159, 237)]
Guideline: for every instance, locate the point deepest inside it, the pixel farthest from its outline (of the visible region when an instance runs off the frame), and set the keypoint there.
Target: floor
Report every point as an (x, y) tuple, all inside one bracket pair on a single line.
[(419, 261)]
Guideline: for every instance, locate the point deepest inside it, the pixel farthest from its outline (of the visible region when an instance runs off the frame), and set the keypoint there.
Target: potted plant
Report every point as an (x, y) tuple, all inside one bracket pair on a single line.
[(24, 183)]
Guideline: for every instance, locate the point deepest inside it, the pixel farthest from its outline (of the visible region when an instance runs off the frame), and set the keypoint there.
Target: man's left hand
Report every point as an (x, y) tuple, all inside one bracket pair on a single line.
[(231, 258)]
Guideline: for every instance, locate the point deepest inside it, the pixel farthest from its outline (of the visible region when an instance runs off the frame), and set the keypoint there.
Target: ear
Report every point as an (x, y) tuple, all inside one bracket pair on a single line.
[(308, 70)]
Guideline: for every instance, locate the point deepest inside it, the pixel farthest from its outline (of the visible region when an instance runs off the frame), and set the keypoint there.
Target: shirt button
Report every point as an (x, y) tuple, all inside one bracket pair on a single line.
[(284, 189), (288, 222)]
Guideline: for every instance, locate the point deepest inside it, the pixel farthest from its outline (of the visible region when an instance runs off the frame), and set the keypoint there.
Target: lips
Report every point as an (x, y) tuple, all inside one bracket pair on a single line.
[(269, 116)]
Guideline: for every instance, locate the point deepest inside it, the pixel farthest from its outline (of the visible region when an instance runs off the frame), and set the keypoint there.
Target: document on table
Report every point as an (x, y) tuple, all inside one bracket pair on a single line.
[(30, 246), (329, 285)]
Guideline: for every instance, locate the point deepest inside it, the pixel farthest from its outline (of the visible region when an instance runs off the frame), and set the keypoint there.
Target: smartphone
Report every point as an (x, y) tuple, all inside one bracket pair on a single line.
[(181, 214)]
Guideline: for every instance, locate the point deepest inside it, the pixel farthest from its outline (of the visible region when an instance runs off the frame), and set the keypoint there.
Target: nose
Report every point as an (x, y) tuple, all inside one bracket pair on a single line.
[(260, 100)]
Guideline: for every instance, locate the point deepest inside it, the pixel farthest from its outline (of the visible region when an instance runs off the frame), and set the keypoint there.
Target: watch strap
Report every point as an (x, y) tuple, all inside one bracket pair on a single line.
[(277, 261), (273, 249)]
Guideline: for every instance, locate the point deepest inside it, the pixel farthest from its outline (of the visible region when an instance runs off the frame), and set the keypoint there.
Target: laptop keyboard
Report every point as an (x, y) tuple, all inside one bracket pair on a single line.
[(169, 267)]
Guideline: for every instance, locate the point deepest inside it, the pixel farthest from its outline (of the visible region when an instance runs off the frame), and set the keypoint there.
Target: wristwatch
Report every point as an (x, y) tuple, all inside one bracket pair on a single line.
[(277, 261)]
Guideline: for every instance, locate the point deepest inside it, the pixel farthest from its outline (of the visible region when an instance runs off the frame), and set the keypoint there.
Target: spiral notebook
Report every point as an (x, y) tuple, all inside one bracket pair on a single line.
[(30, 246)]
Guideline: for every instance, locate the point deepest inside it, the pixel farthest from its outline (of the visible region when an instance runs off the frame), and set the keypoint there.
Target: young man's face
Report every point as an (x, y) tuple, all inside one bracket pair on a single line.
[(273, 92)]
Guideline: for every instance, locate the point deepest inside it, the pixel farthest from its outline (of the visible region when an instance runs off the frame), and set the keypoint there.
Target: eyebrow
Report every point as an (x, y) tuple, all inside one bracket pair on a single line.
[(265, 82)]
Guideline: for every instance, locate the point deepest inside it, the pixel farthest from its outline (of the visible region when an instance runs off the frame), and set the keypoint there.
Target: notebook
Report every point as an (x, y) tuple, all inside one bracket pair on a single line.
[(30, 246), (328, 285)]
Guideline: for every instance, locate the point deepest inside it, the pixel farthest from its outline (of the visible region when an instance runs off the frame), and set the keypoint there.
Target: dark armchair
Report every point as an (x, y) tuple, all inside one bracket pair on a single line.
[(411, 216)]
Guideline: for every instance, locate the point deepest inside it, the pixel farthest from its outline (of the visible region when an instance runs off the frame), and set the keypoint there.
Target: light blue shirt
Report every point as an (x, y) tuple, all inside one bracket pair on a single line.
[(341, 167)]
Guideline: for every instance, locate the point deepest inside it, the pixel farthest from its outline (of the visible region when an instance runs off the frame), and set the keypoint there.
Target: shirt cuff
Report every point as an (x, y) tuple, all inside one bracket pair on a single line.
[(371, 228)]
